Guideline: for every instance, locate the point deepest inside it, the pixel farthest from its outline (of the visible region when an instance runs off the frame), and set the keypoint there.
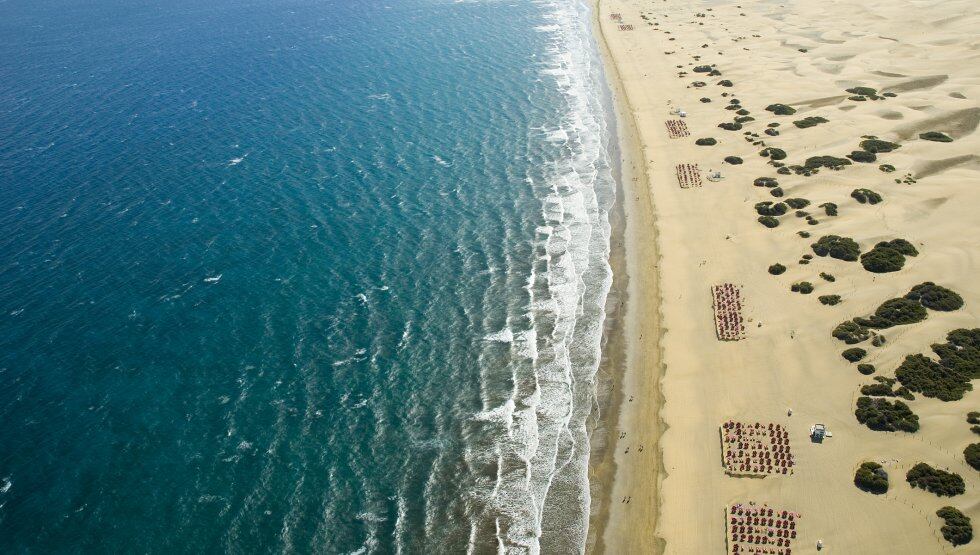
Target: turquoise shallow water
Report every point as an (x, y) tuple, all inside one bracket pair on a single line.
[(298, 275)]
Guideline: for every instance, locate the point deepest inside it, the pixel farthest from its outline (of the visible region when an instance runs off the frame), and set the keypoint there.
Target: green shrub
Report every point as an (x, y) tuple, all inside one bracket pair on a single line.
[(803, 234), (862, 156), (862, 91), (777, 192), (707, 141), (831, 162), (835, 246), (883, 388), (744, 119), (768, 221), (975, 429), (804, 287), (894, 312), (725, 83), (827, 277), (829, 300), (797, 203), (734, 160), (887, 168), (973, 417), (972, 455), (781, 109), (829, 208), (948, 379), (768, 208), (871, 477), (773, 153), (742, 112), (854, 354), (730, 126), (771, 132), (866, 196), (783, 171), (935, 297), (958, 530), (866, 369), (777, 269), (901, 245), (878, 146), (851, 333), (882, 260), (940, 482), (701, 69), (809, 121), (765, 182), (936, 136), (885, 416)]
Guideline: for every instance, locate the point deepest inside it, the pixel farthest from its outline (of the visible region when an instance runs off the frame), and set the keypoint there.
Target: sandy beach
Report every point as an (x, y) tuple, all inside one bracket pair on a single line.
[(660, 486)]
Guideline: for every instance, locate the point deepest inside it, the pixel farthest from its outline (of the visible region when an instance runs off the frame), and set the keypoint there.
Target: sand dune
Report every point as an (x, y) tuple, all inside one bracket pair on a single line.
[(802, 54)]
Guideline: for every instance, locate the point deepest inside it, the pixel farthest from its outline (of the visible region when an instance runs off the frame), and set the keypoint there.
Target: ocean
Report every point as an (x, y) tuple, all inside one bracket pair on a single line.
[(300, 275)]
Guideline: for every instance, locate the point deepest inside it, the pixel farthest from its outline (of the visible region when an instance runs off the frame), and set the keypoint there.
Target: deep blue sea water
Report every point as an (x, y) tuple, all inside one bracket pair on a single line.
[(299, 275)]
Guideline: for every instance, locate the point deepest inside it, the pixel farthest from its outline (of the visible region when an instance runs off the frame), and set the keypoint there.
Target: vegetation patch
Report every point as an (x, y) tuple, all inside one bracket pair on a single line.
[(950, 377), (935, 297), (827, 277), (768, 208), (768, 221), (773, 153), (958, 529), (809, 121), (765, 182), (854, 354), (887, 168), (831, 162), (972, 455), (803, 287), (733, 160), (730, 126), (862, 156), (866, 369), (777, 269), (894, 312), (781, 109), (707, 141), (872, 478), (829, 300), (888, 256), (882, 415), (835, 246), (797, 203), (866, 196), (884, 388), (776, 192), (851, 333), (862, 91), (877, 146), (939, 482), (936, 136), (973, 417), (829, 208)]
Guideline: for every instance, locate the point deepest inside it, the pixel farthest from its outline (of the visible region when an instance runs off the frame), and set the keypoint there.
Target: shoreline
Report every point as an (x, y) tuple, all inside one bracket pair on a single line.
[(631, 368)]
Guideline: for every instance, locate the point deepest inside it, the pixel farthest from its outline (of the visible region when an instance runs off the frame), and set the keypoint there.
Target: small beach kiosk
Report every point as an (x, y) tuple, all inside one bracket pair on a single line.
[(817, 433)]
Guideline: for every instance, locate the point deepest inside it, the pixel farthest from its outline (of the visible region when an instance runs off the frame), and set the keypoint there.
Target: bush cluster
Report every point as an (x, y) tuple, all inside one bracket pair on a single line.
[(940, 482), (854, 354), (804, 287), (884, 416), (781, 109), (773, 153), (884, 388), (958, 530), (797, 203), (973, 417), (768, 221), (877, 146), (862, 91), (866, 369), (862, 156), (765, 182), (871, 477), (776, 192), (888, 256), (935, 297), (829, 300), (866, 196), (887, 168), (707, 141), (835, 246), (809, 121), (827, 277), (768, 208), (730, 126), (894, 312), (829, 208), (777, 269), (851, 333), (936, 136), (972, 455), (949, 378), (831, 162), (734, 160)]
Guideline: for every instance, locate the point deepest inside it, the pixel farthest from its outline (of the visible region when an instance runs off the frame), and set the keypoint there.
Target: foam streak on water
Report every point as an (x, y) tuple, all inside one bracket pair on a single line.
[(541, 486)]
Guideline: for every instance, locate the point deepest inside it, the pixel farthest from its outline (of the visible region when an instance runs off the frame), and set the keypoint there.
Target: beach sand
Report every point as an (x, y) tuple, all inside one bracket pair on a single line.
[(679, 382)]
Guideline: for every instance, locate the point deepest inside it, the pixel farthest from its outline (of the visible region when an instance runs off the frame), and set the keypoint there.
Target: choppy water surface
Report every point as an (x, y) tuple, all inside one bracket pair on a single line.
[(299, 275)]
